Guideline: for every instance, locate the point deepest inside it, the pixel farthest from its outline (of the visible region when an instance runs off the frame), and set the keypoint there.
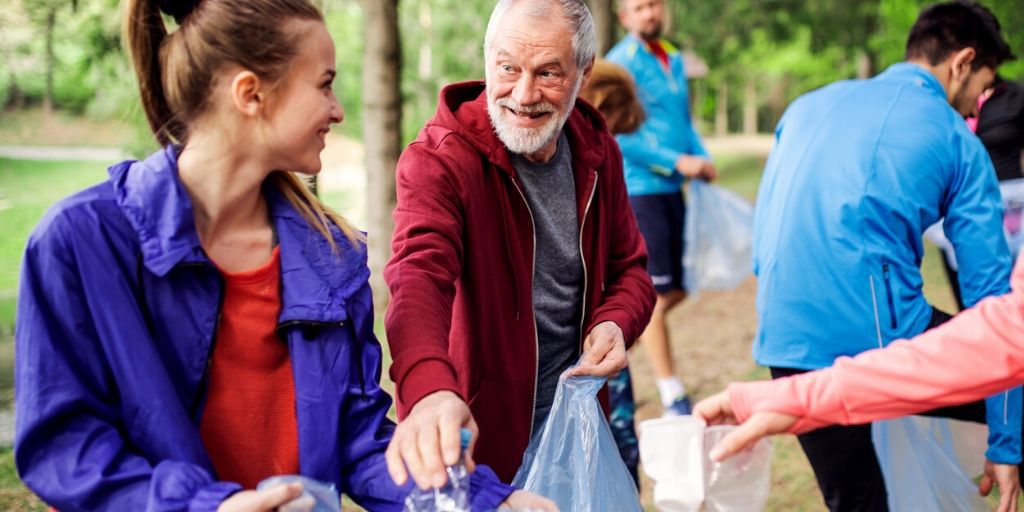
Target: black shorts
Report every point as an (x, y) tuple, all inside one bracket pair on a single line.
[(661, 218)]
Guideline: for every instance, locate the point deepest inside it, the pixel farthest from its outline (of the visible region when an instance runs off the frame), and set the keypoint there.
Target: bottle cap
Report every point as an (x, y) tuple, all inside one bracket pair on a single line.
[(465, 436)]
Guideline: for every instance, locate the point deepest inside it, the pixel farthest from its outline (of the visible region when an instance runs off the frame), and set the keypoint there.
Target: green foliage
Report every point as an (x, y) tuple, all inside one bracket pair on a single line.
[(785, 47), (442, 43)]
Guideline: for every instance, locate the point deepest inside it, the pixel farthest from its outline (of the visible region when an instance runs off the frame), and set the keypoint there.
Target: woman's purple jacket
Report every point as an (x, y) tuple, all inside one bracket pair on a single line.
[(117, 315)]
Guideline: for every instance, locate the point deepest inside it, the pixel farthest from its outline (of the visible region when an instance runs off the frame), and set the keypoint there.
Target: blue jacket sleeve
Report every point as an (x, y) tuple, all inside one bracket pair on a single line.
[(364, 469), (69, 446), (974, 225), (640, 148)]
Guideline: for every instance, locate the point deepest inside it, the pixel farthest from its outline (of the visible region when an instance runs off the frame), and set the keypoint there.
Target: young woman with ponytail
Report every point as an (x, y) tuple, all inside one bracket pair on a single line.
[(200, 321)]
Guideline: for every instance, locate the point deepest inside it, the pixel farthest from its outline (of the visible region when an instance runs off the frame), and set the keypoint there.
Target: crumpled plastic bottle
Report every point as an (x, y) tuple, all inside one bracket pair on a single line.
[(453, 496)]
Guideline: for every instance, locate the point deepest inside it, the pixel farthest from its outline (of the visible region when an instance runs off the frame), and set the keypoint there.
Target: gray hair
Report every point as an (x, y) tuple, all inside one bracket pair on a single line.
[(575, 12)]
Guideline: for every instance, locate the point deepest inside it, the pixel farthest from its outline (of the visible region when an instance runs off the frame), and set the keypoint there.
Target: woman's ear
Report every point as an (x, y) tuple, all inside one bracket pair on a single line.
[(247, 93)]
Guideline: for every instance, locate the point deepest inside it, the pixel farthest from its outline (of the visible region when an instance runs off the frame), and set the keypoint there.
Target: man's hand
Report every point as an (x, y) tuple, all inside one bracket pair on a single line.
[(525, 500), (428, 440), (264, 500), (717, 410), (1007, 476), (604, 352), (696, 167)]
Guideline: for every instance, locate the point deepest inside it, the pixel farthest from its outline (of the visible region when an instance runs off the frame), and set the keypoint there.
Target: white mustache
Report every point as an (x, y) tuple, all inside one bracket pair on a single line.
[(540, 108)]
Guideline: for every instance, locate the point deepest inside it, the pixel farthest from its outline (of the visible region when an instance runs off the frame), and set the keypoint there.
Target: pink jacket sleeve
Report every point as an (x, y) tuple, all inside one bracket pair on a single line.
[(978, 353)]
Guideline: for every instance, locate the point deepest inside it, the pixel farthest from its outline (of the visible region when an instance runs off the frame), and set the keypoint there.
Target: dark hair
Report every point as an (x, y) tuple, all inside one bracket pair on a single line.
[(175, 70), (611, 91), (949, 27)]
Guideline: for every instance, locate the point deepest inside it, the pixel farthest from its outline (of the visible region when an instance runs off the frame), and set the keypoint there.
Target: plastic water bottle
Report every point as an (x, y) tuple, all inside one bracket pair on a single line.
[(453, 496)]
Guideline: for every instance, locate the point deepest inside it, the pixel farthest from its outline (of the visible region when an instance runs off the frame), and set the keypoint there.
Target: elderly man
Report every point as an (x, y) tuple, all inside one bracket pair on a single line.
[(515, 249)]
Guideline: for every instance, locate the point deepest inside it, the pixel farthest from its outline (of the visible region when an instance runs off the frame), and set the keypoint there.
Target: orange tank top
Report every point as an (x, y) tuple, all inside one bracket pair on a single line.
[(249, 426)]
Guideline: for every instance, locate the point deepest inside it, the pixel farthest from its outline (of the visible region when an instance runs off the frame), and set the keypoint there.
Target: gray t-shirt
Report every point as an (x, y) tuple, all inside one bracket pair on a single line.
[(558, 268)]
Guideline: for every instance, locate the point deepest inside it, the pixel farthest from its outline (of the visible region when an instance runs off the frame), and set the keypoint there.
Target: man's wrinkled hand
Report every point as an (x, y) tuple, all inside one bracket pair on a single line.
[(1007, 477), (604, 352), (428, 440)]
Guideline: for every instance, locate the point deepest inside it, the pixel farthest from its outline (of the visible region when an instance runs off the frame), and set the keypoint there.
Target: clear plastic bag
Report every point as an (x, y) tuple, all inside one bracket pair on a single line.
[(316, 496), (674, 452), (928, 463), (719, 238), (574, 461)]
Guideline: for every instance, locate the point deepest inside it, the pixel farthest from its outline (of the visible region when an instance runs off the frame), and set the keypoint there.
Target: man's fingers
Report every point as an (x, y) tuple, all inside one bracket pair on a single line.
[(430, 454), (985, 486), (410, 451), (475, 435), (396, 468), (449, 427), (1007, 502)]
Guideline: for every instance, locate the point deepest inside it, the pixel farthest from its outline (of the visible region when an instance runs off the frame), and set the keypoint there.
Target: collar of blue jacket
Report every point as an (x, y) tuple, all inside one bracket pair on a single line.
[(159, 209)]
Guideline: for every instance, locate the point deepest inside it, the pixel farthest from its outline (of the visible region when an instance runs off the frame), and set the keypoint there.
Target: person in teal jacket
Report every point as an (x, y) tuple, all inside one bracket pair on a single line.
[(657, 158), (859, 170)]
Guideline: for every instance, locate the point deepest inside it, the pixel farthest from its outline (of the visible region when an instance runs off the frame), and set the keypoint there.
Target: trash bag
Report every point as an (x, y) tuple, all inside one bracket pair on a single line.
[(674, 452), (316, 496), (928, 463), (1012, 193), (719, 238), (573, 460)]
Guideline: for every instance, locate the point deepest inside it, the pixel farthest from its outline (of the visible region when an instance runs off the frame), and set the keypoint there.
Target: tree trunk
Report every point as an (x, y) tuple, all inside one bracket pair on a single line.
[(605, 20), (382, 121), (750, 107), (722, 108), (51, 22), (865, 65)]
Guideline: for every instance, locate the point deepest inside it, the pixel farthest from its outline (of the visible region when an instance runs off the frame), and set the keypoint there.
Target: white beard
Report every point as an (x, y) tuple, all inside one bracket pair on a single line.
[(527, 141)]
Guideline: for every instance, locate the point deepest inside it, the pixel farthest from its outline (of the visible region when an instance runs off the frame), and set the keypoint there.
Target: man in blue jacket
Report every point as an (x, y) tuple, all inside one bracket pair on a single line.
[(657, 157), (858, 171)]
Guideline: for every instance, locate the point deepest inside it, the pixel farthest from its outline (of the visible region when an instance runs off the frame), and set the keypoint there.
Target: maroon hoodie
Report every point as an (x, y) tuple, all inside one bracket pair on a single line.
[(461, 313)]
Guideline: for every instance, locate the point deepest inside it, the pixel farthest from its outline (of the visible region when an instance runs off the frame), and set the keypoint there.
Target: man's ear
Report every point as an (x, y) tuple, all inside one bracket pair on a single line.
[(247, 93), (960, 63), (587, 71)]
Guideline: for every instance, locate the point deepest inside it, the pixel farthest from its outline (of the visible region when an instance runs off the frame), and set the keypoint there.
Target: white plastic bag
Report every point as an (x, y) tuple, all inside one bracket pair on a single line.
[(719, 238), (928, 463), (574, 461), (674, 452)]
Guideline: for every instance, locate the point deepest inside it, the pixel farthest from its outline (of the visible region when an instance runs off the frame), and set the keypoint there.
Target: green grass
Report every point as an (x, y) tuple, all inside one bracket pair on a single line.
[(27, 189), (740, 173)]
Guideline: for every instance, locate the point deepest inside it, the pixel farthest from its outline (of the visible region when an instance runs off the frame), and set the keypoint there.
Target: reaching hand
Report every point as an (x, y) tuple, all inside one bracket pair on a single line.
[(1007, 476), (428, 440), (264, 500), (717, 410), (604, 352), (696, 167)]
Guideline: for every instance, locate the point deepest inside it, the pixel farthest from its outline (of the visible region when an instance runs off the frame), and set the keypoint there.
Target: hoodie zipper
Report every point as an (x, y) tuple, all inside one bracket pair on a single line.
[(536, 340), (583, 260), (888, 291)]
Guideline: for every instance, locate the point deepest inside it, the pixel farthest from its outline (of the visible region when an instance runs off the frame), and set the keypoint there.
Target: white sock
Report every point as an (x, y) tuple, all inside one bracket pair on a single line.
[(670, 388)]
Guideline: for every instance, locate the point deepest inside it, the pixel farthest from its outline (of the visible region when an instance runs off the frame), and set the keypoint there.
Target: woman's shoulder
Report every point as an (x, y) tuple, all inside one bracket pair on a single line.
[(88, 217)]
